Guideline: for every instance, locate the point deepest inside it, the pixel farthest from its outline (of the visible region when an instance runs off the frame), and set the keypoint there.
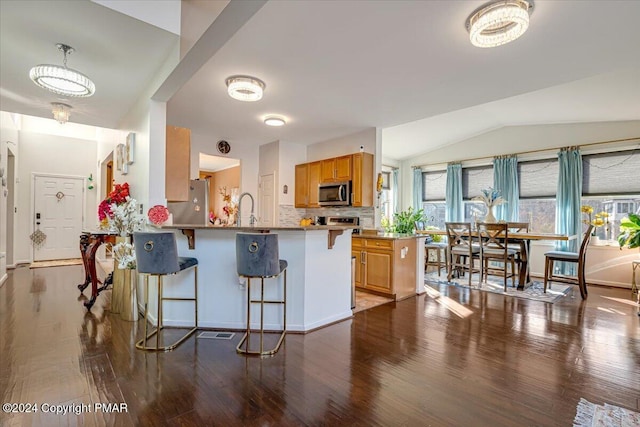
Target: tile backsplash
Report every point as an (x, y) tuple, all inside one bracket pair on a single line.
[(290, 216)]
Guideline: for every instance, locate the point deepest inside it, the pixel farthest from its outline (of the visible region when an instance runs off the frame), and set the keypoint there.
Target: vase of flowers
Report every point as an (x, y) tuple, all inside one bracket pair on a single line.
[(598, 220), (230, 207), (491, 198)]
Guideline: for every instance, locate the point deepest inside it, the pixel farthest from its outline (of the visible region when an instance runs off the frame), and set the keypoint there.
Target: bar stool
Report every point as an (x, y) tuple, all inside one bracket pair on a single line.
[(157, 255), (257, 256)]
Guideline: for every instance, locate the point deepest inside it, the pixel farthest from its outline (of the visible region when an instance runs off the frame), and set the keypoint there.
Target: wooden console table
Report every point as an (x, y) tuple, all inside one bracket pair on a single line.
[(90, 241)]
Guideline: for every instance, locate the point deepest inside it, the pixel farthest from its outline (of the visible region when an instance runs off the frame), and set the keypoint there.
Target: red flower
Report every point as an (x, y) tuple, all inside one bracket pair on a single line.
[(118, 196)]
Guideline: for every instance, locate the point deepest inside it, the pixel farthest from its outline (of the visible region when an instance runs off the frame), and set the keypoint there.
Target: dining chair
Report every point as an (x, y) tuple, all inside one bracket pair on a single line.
[(462, 250), (436, 248), (494, 245), (574, 257), (519, 227)]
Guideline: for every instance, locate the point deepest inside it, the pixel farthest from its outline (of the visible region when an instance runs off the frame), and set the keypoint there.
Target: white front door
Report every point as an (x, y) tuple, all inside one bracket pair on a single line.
[(58, 203), (266, 200)]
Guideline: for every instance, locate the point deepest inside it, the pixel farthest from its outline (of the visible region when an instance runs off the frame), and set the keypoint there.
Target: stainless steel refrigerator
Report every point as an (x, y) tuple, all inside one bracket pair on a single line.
[(196, 209)]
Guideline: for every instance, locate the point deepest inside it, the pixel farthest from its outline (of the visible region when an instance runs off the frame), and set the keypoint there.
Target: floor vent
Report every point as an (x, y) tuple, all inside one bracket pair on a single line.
[(217, 335)]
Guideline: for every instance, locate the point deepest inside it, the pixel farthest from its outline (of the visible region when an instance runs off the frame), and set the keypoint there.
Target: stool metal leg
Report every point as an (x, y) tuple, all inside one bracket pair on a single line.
[(142, 344), (246, 337)]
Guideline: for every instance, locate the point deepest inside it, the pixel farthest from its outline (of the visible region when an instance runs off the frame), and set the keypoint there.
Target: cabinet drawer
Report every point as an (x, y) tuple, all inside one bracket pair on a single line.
[(357, 242), (379, 243)]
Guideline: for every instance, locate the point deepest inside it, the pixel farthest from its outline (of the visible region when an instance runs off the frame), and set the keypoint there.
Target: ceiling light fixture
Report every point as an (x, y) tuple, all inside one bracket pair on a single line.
[(62, 80), (61, 112), (274, 121), (245, 88), (499, 22)]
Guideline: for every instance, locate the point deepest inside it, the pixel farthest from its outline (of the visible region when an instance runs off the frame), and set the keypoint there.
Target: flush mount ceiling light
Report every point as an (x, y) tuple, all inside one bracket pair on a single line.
[(499, 22), (274, 121), (62, 80), (61, 112), (245, 88)]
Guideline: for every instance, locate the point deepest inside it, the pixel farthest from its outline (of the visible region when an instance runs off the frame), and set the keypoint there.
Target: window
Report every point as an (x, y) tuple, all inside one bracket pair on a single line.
[(538, 183), (434, 185), (610, 185), (474, 180)]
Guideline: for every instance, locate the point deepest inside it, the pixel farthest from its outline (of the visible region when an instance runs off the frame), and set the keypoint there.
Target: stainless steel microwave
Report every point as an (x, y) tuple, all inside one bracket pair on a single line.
[(335, 194)]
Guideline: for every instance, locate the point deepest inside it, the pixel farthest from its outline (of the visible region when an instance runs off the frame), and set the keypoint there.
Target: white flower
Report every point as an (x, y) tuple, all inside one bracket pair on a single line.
[(125, 219), (125, 256)]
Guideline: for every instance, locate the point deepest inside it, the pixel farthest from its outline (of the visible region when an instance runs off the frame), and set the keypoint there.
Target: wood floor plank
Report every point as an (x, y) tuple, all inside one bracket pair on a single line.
[(461, 358)]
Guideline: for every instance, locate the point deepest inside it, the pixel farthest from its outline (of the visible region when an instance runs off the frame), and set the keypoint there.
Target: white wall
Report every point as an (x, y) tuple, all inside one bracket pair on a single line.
[(289, 156), (8, 137), (50, 154), (344, 145)]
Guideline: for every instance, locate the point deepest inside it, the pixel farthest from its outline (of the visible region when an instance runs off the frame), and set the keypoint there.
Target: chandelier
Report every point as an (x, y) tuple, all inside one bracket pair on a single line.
[(245, 88), (62, 80), (61, 112), (499, 22)]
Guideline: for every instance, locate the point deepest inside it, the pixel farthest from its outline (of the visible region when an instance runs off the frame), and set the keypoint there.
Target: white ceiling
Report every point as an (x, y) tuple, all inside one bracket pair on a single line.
[(336, 68)]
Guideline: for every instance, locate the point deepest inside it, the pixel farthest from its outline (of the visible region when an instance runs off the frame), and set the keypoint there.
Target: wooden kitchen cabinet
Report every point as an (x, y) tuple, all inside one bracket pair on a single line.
[(385, 266), (336, 169), (177, 164), (302, 185), (362, 180), (307, 179)]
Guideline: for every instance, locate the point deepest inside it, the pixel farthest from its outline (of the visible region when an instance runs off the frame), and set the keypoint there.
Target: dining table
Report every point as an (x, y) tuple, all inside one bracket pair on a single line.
[(516, 237)]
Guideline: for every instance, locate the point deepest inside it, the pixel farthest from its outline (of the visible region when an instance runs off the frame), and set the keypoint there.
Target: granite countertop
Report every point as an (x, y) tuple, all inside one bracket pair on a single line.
[(390, 236), (257, 228)]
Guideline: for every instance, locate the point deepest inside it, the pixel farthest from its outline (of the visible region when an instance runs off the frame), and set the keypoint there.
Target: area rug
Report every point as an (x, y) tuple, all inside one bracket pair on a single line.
[(56, 263), (589, 414), (533, 290)]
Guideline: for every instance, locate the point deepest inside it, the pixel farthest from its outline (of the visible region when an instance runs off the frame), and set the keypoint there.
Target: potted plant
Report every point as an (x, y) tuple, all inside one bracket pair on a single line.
[(404, 222), (630, 232)]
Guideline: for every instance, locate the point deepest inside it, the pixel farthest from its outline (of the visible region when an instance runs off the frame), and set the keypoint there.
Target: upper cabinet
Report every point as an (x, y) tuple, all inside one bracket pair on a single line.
[(177, 164), (357, 168), (336, 169), (362, 183)]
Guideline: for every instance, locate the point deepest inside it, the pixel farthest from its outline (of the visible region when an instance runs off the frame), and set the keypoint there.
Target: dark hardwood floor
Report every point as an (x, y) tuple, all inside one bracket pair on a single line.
[(463, 358)]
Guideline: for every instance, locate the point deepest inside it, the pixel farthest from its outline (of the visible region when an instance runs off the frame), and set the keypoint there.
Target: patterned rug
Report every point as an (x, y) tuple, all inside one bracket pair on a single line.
[(56, 263), (533, 290), (589, 414)]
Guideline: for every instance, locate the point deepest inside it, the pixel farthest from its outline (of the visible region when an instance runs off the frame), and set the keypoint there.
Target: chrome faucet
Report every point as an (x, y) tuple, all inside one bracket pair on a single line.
[(252, 218)]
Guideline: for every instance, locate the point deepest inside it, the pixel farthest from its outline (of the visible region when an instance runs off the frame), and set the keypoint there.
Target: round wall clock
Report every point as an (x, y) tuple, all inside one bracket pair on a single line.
[(224, 147)]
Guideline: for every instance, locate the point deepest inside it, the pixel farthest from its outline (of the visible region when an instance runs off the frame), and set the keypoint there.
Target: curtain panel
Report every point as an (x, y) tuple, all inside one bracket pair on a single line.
[(417, 189), (568, 201), (455, 207), (505, 180)]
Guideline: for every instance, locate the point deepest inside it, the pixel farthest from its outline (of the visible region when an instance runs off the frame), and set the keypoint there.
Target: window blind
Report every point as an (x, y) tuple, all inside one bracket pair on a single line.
[(538, 178), (434, 185), (611, 173), (476, 179)]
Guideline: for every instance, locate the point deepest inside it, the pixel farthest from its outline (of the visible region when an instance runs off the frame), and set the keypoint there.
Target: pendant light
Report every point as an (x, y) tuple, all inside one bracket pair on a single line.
[(62, 80)]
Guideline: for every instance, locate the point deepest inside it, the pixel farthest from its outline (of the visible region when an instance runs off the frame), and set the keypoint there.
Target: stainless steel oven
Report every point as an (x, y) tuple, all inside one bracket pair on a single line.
[(335, 194)]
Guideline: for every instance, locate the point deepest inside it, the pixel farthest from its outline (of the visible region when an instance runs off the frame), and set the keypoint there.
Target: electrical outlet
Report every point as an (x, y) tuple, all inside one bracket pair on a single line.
[(141, 210)]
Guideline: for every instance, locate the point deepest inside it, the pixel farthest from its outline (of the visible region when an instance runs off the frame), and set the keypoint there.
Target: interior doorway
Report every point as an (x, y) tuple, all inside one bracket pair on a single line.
[(9, 194)]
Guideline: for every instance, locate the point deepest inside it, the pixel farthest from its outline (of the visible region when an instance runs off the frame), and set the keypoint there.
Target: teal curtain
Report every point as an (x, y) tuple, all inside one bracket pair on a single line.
[(568, 200), (453, 197), (505, 180), (394, 184), (417, 189)]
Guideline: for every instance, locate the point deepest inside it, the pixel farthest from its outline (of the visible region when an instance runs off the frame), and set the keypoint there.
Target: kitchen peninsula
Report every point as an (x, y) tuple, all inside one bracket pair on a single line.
[(318, 277)]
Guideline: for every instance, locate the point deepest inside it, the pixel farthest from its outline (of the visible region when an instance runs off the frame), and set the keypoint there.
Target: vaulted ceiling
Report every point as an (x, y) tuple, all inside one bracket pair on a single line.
[(335, 68)]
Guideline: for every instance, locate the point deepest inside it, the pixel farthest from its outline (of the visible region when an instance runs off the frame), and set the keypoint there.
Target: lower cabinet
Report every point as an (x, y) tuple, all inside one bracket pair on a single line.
[(385, 266)]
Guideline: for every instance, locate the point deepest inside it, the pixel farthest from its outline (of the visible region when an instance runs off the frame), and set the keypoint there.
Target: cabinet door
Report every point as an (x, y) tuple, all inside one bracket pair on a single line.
[(315, 170), (328, 170), (378, 270), (343, 168), (177, 164), (362, 180), (302, 186)]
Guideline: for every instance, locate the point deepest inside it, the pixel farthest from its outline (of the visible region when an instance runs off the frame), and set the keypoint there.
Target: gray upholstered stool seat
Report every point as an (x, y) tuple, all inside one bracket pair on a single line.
[(257, 256), (157, 255)]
